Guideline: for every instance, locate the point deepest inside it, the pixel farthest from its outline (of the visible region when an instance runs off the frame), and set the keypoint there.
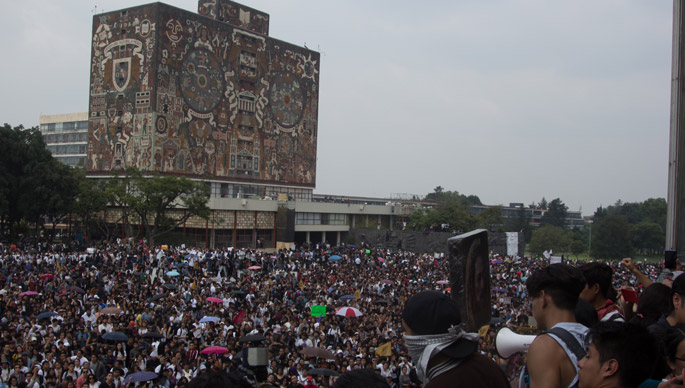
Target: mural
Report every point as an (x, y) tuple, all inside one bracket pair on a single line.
[(178, 93), (235, 14)]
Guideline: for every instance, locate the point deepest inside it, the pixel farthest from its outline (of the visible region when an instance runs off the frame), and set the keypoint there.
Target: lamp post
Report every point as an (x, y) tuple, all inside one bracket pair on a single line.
[(589, 240)]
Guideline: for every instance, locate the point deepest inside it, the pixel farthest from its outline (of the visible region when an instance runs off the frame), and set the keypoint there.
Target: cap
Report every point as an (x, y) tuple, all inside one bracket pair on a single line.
[(432, 312), (309, 378)]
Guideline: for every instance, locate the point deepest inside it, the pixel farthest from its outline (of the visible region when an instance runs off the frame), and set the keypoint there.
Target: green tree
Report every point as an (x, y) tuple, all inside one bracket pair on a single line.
[(556, 213), (489, 218), (542, 204), (647, 237), (577, 247), (550, 237), (33, 186), (611, 238), (164, 202)]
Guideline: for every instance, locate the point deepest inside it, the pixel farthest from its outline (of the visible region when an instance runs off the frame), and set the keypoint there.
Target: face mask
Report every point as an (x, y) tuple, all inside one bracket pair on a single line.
[(422, 347)]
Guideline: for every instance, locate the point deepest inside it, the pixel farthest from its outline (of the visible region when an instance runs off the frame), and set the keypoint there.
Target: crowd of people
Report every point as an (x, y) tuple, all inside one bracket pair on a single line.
[(73, 318)]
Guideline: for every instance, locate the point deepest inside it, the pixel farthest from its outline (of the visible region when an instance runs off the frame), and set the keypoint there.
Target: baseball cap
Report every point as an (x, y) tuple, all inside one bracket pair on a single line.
[(432, 312)]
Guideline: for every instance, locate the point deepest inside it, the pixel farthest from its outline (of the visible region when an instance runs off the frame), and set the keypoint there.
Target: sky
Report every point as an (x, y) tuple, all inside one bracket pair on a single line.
[(509, 100)]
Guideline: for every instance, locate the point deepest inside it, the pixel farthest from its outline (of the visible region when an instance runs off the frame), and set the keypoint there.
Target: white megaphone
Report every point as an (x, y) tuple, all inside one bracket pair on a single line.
[(507, 342)]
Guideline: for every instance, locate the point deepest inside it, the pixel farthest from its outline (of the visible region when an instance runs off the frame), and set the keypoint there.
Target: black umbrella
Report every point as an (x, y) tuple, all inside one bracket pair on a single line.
[(46, 315), (170, 286), (153, 335), (140, 377), (156, 297), (381, 301), (322, 372), (238, 292), (115, 336), (252, 338), (346, 297)]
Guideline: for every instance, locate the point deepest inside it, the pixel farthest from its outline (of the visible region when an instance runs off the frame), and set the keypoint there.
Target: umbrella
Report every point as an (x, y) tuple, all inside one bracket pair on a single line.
[(115, 336), (46, 315), (111, 310), (387, 281), (499, 290), (47, 276), (346, 297), (153, 335), (348, 312), (215, 300), (77, 289), (443, 282), (254, 267), (318, 352), (382, 260), (322, 372), (214, 350), (334, 258), (170, 287), (156, 297), (28, 293), (381, 301), (139, 377), (252, 338), (209, 319), (172, 273), (238, 292)]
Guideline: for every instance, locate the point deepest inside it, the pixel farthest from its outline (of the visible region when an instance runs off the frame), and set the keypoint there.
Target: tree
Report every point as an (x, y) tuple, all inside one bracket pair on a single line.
[(164, 202), (611, 238), (556, 214), (542, 204), (647, 237), (33, 185), (550, 237), (491, 216)]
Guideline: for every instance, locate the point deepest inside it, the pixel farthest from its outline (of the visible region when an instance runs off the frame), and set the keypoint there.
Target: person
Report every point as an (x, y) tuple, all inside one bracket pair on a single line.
[(366, 378), (597, 290), (214, 379), (619, 356), (443, 353), (553, 356)]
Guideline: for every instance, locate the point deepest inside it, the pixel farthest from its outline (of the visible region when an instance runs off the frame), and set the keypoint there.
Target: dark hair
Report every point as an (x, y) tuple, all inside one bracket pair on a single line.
[(598, 273), (213, 379), (586, 313), (366, 378), (654, 302), (632, 346), (561, 281), (673, 339)]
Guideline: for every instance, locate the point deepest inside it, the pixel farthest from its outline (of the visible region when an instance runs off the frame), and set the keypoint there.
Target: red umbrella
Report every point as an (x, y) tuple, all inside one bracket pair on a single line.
[(254, 267), (28, 293), (214, 350), (215, 300), (348, 312), (47, 276)]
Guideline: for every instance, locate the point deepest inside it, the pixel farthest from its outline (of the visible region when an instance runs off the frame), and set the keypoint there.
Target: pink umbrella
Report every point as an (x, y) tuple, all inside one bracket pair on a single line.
[(382, 260), (214, 350), (443, 282), (254, 267), (47, 276), (348, 312), (215, 300), (387, 281), (28, 293)]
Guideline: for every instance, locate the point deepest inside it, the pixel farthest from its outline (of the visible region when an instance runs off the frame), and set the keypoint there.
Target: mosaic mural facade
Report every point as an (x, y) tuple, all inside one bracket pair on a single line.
[(179, 93)]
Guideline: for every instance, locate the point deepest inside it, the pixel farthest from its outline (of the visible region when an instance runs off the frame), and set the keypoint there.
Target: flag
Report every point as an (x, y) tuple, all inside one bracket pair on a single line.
[(357, 294), (301, 285), (384, 350), (483, 330), (318, 311), (238, 319)]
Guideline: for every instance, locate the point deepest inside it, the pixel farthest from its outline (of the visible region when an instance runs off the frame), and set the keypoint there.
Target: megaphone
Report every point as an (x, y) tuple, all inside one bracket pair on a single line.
[(507, 342)]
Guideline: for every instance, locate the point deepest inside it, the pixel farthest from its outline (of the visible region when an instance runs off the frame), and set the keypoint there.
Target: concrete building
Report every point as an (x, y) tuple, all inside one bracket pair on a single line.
[(66, 136)]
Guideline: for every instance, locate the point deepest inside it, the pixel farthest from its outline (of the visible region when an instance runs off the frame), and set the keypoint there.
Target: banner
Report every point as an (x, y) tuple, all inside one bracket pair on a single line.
[(512, 244), (384, 350), (318, 311)]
